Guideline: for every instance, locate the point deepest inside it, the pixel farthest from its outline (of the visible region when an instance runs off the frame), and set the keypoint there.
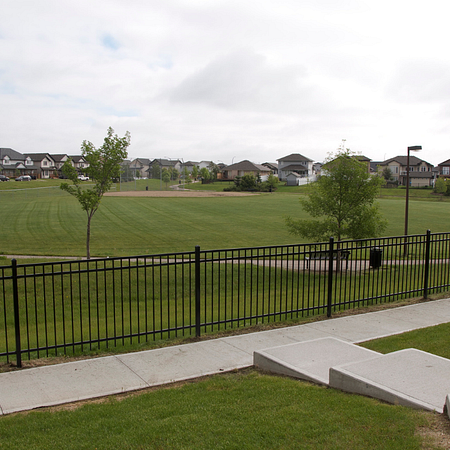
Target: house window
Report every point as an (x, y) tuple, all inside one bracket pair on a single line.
[(396, 169), (446, 170), (28, 162), (44, 163)]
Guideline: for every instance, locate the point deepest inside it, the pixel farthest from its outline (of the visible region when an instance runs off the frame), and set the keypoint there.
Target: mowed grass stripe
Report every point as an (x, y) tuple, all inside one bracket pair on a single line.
[(56, 225)]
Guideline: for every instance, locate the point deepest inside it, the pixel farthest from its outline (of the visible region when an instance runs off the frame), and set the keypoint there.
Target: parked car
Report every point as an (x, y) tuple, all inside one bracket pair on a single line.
[(3, 178), (24, 178), (83, 178)]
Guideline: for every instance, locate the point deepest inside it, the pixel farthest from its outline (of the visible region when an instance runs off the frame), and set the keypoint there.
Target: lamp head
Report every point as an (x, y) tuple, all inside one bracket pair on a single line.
[(415, 148)]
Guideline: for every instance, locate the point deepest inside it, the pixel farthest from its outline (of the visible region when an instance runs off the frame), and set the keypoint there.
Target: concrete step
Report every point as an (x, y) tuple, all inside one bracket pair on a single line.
[(310, 360), (408, 377)]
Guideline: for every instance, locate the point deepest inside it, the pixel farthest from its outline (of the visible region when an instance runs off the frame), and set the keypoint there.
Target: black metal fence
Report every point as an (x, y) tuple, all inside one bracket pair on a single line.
[(70, 307)]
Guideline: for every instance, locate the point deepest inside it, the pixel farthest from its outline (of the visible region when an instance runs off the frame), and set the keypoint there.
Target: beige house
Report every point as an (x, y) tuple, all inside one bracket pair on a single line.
[(245, 168), (420, 172)]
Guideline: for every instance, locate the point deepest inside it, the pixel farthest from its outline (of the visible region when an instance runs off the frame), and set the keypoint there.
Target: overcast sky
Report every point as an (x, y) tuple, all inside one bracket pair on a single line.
[(227, 80)]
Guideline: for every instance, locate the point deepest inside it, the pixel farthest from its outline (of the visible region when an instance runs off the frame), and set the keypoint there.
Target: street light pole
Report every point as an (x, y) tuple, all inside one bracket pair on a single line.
[(414, 148)]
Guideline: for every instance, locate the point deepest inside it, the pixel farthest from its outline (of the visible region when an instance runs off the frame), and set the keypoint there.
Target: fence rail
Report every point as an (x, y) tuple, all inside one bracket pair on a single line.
[(74, 306)]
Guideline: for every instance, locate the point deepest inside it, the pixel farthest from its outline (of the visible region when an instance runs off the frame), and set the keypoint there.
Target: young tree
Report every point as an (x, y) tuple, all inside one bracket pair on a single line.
[(186, 175), (195, 172), (387, 174), (440, 186), (104, 166), (341, 202), (166, 177), (204, 173)]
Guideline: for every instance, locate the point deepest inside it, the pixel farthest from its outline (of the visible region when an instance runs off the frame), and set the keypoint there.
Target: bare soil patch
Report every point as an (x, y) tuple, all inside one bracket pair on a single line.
[(178, 193)]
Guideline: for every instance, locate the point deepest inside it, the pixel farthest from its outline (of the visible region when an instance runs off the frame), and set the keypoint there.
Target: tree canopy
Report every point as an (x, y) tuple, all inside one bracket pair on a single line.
[(342, 202), (104, 167)]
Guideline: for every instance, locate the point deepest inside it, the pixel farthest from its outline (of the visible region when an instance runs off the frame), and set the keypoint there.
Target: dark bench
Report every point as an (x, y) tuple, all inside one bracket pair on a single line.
[(325, 255)]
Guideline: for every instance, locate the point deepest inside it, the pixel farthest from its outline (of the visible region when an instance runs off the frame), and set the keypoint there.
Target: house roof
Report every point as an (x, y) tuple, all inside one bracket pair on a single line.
[(247, 165), (144, 161), (403, 161), (165, 162), (273, 166), (77, 158), (59, 157), (11, 153), (294, 168), (445, 163), (38, 156), (294, 157)]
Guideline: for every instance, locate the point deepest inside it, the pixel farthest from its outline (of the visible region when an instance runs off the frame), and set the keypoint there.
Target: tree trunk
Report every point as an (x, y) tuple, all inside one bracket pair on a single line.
[(88, 237)]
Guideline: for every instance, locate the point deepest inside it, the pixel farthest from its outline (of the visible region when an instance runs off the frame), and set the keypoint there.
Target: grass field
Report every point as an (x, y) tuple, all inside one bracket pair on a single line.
[(51, 222)]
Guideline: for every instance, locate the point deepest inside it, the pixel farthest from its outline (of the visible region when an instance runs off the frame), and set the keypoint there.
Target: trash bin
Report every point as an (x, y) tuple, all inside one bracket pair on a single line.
[(146, 188), (375, 257)]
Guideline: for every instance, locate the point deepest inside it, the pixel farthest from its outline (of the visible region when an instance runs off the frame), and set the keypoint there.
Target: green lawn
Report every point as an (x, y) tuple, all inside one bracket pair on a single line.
[(51, 222), (246, 410), (434, 340)]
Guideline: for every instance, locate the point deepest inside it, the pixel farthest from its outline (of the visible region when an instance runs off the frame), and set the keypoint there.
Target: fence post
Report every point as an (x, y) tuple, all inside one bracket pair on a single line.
[(330, 276), (427, 265), (197, 291), (16, 313)]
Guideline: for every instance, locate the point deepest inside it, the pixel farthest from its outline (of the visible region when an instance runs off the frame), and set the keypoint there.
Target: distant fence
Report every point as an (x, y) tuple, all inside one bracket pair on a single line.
[(73, 306)]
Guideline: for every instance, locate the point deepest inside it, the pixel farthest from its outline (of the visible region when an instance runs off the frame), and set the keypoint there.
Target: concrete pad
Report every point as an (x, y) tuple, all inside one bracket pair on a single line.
[(408, 377), (310, 360), (274, 338), (65, 383), (182, 362)]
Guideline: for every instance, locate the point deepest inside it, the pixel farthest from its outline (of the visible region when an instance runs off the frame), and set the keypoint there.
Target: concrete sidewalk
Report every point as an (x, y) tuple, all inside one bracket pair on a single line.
[(80, 380)]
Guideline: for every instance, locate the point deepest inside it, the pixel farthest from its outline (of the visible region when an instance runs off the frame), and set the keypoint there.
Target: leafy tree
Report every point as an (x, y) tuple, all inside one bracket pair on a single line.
[(387, 174), (440, 186), (166, 177), (186, 176), (156, 171), (271, 184), (104, 166), (342, 202), (213, 170), (204, 173), (195, 172), (248, 182), (174, 174)]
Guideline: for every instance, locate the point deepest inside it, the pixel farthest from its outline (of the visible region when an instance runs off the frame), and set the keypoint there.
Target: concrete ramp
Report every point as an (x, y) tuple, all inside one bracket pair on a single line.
[(408, 377), (310, 360)]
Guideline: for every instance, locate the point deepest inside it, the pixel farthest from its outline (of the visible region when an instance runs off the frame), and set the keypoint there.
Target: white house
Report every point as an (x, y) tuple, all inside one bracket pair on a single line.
[(297, 163)]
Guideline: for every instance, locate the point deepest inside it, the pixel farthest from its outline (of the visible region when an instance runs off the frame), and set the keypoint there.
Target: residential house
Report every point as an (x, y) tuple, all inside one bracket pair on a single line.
[(420, 172), (272, 166), (162, 163), (44, 163), (139, 167), (245, 168), (297, 163), (14, 164), (444, 169), (59, 159), (79, 162)]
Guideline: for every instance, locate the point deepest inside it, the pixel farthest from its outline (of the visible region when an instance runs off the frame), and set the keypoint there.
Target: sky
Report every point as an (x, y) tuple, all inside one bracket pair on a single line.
[(227, 80)]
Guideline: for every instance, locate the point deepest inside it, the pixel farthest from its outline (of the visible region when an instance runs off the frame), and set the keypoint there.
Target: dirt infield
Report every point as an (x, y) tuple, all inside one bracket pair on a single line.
[(178, 193)]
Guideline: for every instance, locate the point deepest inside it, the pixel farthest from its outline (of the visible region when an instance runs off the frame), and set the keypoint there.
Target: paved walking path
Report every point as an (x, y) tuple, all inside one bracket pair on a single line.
[(80, 380)]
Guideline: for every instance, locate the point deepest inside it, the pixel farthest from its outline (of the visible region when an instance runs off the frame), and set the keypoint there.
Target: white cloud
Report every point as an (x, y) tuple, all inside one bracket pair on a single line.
[(238, 79)]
